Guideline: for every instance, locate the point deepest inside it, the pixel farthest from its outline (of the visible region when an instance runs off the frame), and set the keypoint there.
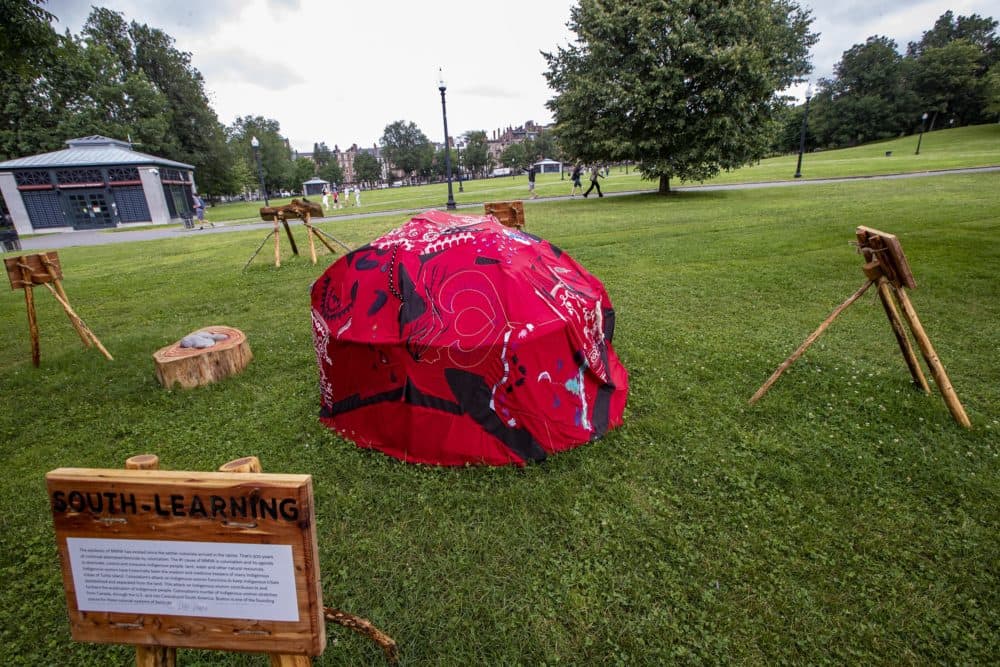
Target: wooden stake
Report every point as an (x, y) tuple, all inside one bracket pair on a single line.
[(79, 324), (909, 356), (277, 245), (29, 300), (151, 656), (808, 342), (291, 239), (931, 357), (312, 242)]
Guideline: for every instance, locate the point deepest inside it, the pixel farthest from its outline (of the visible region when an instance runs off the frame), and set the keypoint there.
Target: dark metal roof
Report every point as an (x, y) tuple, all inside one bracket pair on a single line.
[(91, 152)]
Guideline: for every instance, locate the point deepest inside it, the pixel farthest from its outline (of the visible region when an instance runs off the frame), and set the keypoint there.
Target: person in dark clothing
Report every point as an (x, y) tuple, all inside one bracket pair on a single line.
[(531, 181), (577, 171), (595, 174)]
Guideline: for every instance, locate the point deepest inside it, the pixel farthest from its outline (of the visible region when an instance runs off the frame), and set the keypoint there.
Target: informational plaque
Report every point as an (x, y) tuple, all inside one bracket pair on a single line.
[(188, 559)]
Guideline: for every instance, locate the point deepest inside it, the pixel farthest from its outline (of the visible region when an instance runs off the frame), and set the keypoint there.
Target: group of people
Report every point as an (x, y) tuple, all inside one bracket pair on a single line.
[(337, 202), (595, 176)]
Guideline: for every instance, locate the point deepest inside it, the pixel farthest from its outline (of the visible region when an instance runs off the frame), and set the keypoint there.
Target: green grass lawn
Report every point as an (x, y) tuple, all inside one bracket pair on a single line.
[(846, 519), (975, 146)]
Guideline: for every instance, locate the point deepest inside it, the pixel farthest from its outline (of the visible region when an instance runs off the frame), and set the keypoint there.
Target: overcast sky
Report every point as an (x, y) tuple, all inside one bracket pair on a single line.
[(340, 72)]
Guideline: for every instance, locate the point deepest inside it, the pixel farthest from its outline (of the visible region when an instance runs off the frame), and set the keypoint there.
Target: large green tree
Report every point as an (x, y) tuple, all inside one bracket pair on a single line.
[(367, 169), (868, 97), (275, 157), (476, 152), (950, 65), (685, 88), (407, 148)]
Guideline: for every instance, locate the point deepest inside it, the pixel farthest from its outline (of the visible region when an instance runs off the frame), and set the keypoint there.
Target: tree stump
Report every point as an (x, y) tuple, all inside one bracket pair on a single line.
[(193, 367)]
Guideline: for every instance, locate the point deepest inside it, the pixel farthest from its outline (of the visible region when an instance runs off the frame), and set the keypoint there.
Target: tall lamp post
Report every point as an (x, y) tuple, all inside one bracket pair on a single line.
[(923, 120), (447, 149), (260, 169), (802, 133)]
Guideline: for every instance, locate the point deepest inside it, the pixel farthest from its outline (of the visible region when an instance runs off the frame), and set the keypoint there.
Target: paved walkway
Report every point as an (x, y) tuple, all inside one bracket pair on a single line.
[(99, 237)]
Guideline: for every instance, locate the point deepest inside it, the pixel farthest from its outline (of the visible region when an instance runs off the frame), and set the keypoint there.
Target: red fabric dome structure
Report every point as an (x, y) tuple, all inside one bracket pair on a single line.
[(453, 339)]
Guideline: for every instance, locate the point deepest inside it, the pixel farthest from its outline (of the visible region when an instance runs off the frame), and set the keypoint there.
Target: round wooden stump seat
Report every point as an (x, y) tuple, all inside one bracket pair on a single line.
[(193, 367)]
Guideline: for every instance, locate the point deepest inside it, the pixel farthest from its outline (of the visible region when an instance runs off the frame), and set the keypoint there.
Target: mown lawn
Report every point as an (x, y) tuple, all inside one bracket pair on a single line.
[(975, 146), (844, 519)]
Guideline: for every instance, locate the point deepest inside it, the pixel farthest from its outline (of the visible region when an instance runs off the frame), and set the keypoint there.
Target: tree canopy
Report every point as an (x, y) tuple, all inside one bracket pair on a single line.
[(877, 92), (685, 88), (407, 148)]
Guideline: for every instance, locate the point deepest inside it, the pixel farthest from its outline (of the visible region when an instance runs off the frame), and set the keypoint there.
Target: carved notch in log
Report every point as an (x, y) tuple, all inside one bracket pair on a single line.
[(193, 367)]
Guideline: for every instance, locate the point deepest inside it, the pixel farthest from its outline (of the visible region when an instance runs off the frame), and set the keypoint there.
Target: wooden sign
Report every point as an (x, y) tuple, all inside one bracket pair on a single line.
[(508, 213), (888, 252), (26, 270), (188, 559)]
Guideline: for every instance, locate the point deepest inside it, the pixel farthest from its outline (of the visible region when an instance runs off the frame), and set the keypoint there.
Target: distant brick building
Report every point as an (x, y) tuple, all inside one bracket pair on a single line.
[(512, 135)]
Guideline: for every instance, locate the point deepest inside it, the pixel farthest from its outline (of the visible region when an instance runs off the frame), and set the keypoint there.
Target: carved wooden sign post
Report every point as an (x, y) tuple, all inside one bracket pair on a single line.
[(886, 267), (26, 271), (223, 560)]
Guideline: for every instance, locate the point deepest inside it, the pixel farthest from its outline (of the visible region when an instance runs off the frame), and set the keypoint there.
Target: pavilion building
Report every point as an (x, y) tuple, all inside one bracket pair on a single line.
[(94, 183)]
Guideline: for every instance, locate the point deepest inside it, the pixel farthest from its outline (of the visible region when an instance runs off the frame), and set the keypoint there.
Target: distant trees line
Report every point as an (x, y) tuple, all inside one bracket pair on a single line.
[(876, 92)]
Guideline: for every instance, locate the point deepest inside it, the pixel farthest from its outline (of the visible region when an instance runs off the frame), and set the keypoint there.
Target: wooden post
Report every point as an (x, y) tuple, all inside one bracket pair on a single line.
[(322, 238), (307, 222), (29, 301), (77, 322), (291, 239), (89, 337), (807, 342), (151, 656), (277, 244), (933, 362), (252, 464), (909, 356)]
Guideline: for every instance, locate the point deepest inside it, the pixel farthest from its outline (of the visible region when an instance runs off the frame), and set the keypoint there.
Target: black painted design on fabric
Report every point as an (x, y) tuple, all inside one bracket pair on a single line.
[(473, 395), (486, 260), (413, 304), (602, 410), (354, 253), (608, 316), (380, 300)]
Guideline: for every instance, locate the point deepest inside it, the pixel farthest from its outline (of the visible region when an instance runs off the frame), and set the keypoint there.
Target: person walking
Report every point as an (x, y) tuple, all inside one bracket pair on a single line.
[(326, 197), (577, 171), (199, 211), (531, 181), (595, 174), (357, 195)]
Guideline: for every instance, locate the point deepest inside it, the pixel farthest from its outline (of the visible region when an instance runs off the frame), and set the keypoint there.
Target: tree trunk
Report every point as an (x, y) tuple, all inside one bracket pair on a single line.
[(193, 367), (664, 185)]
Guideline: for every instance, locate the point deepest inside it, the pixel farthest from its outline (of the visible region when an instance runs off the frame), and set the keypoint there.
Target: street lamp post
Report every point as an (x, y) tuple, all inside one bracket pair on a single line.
[(923, 119), (260, 169), (802, 133), (447, 149)]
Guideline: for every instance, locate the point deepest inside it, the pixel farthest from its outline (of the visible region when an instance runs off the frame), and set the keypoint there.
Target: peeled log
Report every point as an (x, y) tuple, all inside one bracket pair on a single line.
[(193, 367)]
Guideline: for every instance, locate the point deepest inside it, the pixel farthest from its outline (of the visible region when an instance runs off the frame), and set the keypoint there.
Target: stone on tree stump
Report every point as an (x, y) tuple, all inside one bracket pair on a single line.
[(193, 367)]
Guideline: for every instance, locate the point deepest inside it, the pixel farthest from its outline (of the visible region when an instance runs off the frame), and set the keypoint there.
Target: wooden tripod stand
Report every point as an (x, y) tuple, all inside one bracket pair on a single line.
[(886, 267), (25, 272), (303, 210)]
